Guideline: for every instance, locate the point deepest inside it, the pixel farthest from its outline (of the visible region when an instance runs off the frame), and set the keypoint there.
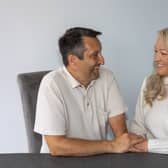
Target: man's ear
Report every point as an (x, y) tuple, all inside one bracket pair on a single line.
[(72, 59)]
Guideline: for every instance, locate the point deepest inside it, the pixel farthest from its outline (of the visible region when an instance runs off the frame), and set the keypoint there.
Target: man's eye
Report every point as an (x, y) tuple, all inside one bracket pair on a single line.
[(95, 54)]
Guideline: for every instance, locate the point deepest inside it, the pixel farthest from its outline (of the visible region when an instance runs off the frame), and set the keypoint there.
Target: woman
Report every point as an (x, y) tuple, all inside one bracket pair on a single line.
[(151, 116)]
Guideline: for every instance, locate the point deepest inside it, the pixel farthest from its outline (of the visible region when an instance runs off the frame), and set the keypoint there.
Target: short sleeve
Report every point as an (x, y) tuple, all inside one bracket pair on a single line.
[(50, 113), (115, 103)]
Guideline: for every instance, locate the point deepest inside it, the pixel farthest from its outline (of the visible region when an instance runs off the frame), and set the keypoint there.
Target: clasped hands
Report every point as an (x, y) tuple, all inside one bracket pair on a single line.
[(137, 143), (130, 142)]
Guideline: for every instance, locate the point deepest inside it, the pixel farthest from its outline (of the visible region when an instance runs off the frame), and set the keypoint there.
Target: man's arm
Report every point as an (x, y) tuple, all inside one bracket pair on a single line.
[(118, 124), (62, 146), (119, 127)]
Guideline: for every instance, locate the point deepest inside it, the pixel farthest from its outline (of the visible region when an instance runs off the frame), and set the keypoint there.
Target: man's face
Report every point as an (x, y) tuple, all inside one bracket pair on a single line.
[(92, 59), (161, 58)]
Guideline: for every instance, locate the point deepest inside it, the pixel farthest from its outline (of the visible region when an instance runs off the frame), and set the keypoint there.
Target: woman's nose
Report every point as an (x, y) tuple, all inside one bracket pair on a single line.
[(157, 57)]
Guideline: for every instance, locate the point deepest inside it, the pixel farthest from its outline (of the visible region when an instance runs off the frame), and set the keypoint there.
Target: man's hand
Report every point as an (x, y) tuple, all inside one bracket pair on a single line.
[(124, 142)]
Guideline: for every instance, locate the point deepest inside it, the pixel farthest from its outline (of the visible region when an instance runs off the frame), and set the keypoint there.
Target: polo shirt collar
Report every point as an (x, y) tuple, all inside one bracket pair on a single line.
[(73, 81)]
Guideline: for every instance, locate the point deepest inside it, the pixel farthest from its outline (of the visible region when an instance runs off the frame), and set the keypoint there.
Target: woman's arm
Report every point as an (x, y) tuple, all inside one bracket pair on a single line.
[(153, 146), (137, 124)]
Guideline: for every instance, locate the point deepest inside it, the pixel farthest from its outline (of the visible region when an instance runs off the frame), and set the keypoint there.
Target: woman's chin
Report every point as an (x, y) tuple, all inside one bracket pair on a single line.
[(162, 73)]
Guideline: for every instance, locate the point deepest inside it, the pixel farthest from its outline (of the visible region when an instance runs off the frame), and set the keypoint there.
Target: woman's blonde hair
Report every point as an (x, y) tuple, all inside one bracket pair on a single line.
[(154, 84)]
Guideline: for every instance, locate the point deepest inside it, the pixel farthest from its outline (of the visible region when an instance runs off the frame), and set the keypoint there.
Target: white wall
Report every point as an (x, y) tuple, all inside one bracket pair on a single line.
[(29, 30)]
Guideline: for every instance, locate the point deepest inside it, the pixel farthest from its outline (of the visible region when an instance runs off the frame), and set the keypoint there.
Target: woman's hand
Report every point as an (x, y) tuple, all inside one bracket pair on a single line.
[(140, 147)]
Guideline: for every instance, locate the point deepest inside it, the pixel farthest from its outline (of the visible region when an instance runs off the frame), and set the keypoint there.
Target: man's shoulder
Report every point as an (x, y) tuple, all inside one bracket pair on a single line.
[(106, 73), (52, 76)]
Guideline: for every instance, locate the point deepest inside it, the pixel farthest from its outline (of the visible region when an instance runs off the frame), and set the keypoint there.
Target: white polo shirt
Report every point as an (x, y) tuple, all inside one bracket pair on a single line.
[(65, 107)]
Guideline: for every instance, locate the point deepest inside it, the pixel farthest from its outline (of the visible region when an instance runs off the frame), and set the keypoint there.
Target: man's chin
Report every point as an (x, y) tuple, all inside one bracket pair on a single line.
[(96, 75)]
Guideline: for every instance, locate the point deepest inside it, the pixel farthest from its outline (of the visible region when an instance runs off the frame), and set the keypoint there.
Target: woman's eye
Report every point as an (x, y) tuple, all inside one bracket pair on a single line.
[(164, 54)]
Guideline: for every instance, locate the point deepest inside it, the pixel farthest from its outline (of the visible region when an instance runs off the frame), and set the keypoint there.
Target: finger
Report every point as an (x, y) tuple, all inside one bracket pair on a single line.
[(132, 149), (140, 147), (135, 149), (136, 141), (132, 135), (137, 136)]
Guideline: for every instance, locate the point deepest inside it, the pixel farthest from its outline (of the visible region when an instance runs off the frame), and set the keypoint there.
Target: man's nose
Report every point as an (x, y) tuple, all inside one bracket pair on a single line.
[(101, 60)]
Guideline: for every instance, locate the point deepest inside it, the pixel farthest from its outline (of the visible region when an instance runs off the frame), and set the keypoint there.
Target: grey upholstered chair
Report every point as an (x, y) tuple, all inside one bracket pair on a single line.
[(29, 85)]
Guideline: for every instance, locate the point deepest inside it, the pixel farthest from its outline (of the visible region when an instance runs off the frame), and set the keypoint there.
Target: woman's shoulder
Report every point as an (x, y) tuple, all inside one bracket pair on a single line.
[(144, 82)]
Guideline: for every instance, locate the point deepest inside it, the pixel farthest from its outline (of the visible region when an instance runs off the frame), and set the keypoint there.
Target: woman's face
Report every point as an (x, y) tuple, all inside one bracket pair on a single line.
[(161, 58)]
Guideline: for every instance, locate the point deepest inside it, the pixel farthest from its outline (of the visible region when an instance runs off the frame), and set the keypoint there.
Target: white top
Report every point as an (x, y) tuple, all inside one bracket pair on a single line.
[(65, 107), (152, 122)]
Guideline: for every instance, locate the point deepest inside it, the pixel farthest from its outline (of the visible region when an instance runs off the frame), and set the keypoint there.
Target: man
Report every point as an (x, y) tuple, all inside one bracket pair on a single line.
[(77, 102)]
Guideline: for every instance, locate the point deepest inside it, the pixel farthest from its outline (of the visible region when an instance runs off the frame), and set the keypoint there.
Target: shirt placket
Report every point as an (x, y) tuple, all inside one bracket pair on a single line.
[(89, 110)]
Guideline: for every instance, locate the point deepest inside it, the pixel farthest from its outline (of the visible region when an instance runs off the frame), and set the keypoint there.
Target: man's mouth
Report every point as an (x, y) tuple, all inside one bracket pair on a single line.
[(97, 67)]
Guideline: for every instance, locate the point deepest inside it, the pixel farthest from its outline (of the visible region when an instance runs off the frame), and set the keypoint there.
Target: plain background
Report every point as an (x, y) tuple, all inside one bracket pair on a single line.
[(29, 30)]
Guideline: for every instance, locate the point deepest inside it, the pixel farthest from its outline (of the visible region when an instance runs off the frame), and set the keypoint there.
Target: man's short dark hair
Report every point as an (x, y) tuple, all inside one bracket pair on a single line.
[(71, 42)]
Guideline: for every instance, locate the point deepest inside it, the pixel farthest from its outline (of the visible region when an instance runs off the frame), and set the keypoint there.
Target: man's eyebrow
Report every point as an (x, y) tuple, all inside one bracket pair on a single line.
[(95, 51)]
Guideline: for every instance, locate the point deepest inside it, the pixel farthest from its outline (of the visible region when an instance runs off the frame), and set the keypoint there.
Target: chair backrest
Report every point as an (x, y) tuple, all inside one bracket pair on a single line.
[(29, 85)]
